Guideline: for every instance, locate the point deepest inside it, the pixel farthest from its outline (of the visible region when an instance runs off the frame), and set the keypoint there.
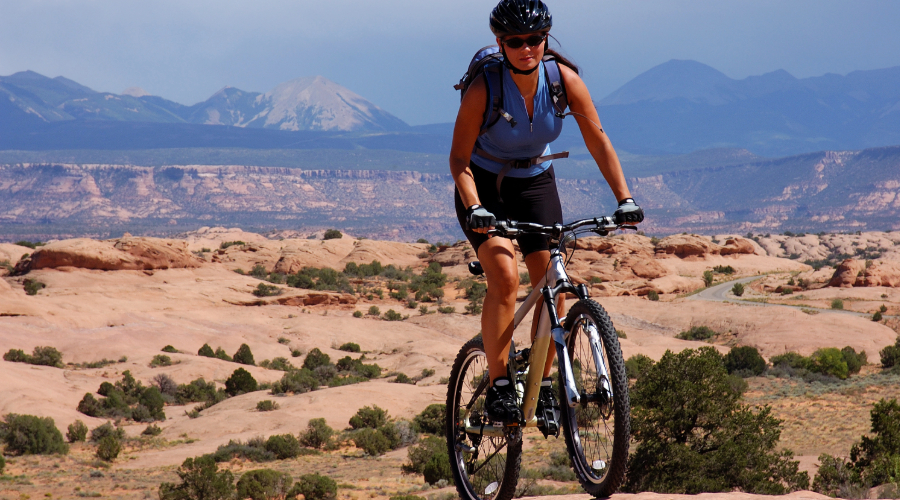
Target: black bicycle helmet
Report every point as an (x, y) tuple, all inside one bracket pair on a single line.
[(517, 17)]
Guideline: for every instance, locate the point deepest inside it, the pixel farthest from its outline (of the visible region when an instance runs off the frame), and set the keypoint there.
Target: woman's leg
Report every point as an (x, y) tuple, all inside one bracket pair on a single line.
[(537, 267), (498, 259)]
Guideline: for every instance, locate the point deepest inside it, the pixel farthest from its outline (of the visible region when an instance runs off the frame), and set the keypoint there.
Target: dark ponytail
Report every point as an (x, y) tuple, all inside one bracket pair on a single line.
[(559, 57)]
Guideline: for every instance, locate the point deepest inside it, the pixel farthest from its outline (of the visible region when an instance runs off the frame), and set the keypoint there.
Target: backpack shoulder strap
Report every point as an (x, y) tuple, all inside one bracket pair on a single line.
[(556, 85), (493, 77)]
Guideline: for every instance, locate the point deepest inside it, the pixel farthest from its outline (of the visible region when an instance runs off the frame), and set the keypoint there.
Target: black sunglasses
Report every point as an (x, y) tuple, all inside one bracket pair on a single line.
[(532, 41)]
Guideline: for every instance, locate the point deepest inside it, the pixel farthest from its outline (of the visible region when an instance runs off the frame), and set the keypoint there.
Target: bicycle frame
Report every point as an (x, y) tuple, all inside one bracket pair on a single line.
[(549, 328)]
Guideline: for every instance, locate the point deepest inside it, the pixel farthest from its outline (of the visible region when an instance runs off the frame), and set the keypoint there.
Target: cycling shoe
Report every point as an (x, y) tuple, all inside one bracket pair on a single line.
[(547, 411), (501, 404)]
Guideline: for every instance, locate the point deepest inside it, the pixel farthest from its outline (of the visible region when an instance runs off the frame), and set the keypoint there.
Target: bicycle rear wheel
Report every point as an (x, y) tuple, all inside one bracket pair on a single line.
[(485, 462), (598, 429)]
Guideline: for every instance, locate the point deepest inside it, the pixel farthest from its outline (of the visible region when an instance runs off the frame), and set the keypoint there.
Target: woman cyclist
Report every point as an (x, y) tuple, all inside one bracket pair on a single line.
[(525, 194)]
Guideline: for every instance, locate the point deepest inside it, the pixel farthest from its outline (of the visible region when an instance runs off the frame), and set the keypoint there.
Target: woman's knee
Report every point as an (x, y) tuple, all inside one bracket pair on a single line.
[(504, 282)]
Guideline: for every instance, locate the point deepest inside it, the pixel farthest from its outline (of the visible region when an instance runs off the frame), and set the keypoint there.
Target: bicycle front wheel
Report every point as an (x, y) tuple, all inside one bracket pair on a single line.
[(598, 428), (485, 460)]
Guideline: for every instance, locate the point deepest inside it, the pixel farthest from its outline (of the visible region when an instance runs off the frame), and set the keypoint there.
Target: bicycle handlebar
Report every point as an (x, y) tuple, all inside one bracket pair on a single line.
[(512, 229)]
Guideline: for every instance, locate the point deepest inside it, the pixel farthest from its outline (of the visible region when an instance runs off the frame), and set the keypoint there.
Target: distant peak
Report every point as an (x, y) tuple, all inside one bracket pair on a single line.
[(135, 92)]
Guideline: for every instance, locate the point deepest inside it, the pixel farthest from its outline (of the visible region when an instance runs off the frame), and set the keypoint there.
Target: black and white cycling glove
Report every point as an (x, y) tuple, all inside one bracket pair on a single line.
[(477, 217), (628, 212)]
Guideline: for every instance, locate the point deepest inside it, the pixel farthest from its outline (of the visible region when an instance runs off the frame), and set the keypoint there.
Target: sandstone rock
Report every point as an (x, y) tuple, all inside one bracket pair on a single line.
[(676, 284), (738, 246), (387, 252), (846, 274), (686, 245), (12, 253), (643, 266), (881, 273), (126, 253), (458, 254)]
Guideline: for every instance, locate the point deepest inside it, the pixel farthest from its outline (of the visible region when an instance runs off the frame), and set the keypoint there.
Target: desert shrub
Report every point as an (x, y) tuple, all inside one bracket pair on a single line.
[(206, 351), (636, 365), (374, 311), (432, 419), (621, 334), (30, 435), (152, 399), (160, 360), (446, 310), (429, 450), (358, 368), (200, 480), (708, 277), (32, 287), (738, 289), (198, 391), (169, 349), (392, 315), (283, 446), (371, 441), (264, 484), (296, 353), (403, 378), (2, 464), (240, 382), (876, 459), (837, 304), (357, 314), (106, 429), (791, 359), (315, 487), (40, 355), (315, 359), (855, 360), (264, 290), (399, 433), (165, 384), (695, 436), (109, 448), (244, 356), (332, 234), (221, 354), (883, 308), (697, 333), (890, 355), (77, 431), (834, 476), (745, 361), (151, 430), (318, 434), (723, 270), (877, 316), (253, 450), (437, 468), (280, 363), (367, 417), (226, 244), (259, 271), (349, 347), (297, 382), (652, 295), (829, 361), (266, 405)]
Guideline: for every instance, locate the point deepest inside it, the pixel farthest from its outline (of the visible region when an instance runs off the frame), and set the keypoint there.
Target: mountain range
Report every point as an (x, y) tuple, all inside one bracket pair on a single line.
[(674, 108)]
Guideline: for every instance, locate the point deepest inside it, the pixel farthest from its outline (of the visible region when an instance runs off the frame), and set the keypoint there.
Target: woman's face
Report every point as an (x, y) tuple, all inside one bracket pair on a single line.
[(524, 51)]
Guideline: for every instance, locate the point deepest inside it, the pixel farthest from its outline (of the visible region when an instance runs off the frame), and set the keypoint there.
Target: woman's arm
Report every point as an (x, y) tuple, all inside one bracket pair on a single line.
[(465, 133), (594, 138)]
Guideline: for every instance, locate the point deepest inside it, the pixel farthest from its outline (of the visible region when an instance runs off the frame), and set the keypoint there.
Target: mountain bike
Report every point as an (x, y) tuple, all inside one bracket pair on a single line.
[(592, 386)]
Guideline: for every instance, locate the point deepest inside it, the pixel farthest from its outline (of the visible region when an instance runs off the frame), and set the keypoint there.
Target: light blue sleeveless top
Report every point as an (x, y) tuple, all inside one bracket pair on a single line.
[(529, 138)]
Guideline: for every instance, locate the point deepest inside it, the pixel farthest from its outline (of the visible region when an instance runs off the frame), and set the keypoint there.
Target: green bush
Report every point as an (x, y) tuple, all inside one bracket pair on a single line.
[(77, 431), (890, 355), (374, 311), (104, 430), (198, 391), (432, 419), (151, 430), (446, 310), (152, 399), (253, 450), (371, 441), (428, 451), (264, 290), (280, 363), (695, 436), (403, 378), (315, 359), (367, 417), (259, 271), (2, 464), (877, 316), (332, 234), (745, 361), (30, 435), (855, 360), (708, 278), (226, 244), (240, 382), (160, 360), (837, 304), (349, 347), (437, 468), (206, 351), (200, 480), (876, 459), (738, 289), (315, 487), (829, 361), (357, 314), (652, 295), (32, 287), (636, 365), (266, 405), (40, 355), (170, 349), (392, 315), (264, 484), (108, 448), (791, 359), (297, 382), (221, 354), (318, 434), (283, 446), (723, 270), (697, 333), (244, 356)]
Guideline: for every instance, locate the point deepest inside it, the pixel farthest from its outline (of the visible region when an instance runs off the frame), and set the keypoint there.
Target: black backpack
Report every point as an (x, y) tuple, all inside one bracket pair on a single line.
[(488, 61)]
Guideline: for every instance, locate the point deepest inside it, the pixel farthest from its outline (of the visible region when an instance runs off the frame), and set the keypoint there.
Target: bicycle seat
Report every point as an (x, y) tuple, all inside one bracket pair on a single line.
[(475, 268)]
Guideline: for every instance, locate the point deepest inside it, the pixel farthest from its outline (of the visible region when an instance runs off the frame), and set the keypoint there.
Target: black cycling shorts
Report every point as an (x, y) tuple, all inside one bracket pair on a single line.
[(530, 199)]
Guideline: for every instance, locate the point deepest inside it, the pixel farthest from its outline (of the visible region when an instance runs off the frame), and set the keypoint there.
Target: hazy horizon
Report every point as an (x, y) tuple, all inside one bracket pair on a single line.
[(408, 62)]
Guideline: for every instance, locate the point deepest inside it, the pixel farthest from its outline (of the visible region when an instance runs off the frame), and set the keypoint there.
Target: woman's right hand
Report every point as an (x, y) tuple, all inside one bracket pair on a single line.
[(479, 219)]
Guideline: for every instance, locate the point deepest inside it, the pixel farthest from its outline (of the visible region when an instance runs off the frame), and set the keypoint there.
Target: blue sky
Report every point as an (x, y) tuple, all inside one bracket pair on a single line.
[(405, 55)]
